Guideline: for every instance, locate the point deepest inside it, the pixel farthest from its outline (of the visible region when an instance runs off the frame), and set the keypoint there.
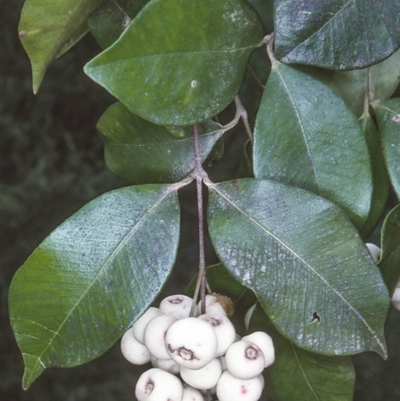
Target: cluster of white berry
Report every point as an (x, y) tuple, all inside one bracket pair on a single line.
[(204, 351)]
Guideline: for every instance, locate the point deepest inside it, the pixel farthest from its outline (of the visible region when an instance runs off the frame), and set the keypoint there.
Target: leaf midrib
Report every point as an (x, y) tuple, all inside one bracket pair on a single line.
[(169, 54), (323, 26), (302, 129), (105, 265), (350, 307)]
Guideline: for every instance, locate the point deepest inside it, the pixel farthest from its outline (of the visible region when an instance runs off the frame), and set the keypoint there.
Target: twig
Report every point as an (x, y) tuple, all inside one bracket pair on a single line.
[(199, 174), (269, 41)]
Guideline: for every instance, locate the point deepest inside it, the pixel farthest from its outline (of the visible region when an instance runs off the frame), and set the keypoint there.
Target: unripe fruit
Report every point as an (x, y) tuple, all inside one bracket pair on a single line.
[(154, 335), (133, 350), (177, 305), (224, 330), (244, 360), (191, 342), (168, 365), (375, 251), (230, 388), (140, 325), (204, 378), (157, 385), (264, 342), (191, 394)]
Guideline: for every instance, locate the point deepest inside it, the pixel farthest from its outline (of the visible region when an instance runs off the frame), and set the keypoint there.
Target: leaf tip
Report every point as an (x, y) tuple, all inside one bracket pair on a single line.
[(33, 369), (37, 78)]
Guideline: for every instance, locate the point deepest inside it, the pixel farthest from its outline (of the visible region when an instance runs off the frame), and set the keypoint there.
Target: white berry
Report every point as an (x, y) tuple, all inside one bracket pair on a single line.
[(133, 350), (224, 330), (140, 325), (191, 342), (203, 378), (177, 305), (230, 388), (244, 360), (191, 394), (154, 335), (157, 385), (168, 365), (264, 342)]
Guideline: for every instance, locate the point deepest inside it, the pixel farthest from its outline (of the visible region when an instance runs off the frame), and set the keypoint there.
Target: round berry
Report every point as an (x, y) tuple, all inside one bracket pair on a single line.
[(203, 378), (133, 350), (244, 360), (139, 326), (154, 335), (264, 342), (157, 385), (191, 342), (177, 305), (230, 388), (224, 330)]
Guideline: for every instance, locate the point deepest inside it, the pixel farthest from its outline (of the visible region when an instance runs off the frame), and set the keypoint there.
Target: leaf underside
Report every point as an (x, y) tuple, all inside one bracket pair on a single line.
[(93, 276)]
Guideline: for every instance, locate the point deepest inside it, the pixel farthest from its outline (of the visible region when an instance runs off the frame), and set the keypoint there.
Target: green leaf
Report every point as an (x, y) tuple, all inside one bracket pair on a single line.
[(379, 175), (180, 62), (111, 18), (353, 85), (299, 375), (306, 136), (336, 34), (93, 276), (143, 152), (48, 29), (300, 255), (388, 116), (389, 262)]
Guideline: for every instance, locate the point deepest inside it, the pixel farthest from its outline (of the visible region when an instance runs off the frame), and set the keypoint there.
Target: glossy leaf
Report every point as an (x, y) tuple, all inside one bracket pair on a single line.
[(47, 29), (180, 62), (379, 175), (93, 276), (353, 85), (306, 136), (300, 255), (143, 152), (111, 18), (336, 34), (389, 262), (388, 116), (299, 375)]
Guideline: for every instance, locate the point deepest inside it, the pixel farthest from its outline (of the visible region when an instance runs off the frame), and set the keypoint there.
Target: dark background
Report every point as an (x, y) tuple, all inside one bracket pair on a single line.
[(51, 164)]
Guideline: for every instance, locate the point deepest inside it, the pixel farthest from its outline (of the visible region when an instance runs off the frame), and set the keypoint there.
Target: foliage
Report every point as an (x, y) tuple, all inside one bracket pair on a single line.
[(293, 232)]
